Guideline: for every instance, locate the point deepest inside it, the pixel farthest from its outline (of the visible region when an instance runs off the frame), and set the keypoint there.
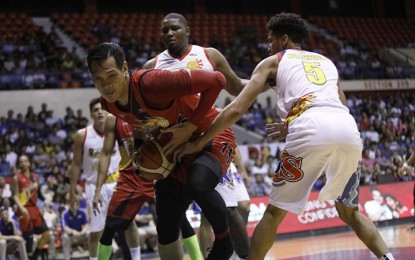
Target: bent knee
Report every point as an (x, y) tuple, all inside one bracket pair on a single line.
[(346, 214)]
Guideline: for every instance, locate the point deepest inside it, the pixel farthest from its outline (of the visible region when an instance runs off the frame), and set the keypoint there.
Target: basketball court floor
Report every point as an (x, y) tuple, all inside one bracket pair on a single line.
[(341, 245)]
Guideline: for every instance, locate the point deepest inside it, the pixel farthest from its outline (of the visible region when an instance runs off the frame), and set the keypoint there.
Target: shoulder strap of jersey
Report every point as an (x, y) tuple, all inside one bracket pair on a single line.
[(280, 55)]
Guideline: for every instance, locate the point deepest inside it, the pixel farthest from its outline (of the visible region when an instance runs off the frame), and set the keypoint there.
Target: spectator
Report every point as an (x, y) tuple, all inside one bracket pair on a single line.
[(75, 227), (258, 187), (146, 229), (5, 169), (5, 190), (10, 240)]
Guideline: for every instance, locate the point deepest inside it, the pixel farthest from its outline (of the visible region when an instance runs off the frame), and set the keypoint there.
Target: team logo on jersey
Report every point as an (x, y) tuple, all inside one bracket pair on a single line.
[(93, 154), (195, 64), (289, 169), (227, 180)]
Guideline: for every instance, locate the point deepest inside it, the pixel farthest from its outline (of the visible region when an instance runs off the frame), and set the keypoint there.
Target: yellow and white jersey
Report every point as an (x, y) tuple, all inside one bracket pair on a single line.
[(305, 79), (195, 58), (93, 144)]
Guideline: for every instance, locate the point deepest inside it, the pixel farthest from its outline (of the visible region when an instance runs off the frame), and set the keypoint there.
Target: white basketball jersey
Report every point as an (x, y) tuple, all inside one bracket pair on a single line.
[(195, 58), (305, 79), (93, 144)]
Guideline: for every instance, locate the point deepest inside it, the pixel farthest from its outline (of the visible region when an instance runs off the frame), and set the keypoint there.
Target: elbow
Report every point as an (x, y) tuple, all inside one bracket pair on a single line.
[(220, 80)]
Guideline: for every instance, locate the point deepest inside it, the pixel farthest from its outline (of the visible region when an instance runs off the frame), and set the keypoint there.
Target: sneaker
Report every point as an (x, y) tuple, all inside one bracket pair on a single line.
[(234, 256)]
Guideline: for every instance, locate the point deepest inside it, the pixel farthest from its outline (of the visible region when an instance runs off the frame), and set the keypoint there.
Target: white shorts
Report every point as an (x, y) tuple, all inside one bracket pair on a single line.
[(226, 189), (97, 222), (319, 142), (240, 188)]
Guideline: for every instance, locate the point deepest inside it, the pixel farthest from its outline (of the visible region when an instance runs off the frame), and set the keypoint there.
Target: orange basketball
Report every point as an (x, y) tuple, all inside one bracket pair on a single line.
[(152, 162)]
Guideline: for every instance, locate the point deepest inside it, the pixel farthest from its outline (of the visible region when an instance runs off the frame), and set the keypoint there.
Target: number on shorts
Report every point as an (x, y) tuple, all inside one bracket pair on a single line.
[(227, 151), (314, 73)]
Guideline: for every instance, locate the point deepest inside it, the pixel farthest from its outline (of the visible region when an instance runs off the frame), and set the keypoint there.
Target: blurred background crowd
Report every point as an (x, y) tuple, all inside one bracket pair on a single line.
[(49, 53)]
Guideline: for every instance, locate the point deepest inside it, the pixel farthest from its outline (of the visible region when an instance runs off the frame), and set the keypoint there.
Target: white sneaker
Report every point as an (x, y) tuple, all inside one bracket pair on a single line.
[(234, 256)]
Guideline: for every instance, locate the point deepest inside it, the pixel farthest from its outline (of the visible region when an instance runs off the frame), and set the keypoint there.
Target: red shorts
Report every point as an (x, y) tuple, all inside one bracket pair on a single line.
[(131, 192), (222, 148), (33, 221)]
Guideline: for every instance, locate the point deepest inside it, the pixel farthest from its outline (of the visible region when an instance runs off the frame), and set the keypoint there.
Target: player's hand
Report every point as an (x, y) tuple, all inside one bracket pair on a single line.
[(405, 170), (181, 133), (187, 148), (276, 131), (247, 182), (97, 202)]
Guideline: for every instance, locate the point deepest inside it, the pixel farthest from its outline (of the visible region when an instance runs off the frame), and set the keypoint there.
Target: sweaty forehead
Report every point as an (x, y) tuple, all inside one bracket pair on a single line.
[(103, 66)]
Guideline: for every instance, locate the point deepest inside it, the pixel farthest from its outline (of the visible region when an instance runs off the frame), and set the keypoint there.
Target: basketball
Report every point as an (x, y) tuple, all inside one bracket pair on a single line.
[(152, 162)]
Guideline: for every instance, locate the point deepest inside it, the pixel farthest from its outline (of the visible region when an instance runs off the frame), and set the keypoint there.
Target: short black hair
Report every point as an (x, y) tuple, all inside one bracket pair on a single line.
[(181, 18), (288, 23), (93, 102), (104, 51)]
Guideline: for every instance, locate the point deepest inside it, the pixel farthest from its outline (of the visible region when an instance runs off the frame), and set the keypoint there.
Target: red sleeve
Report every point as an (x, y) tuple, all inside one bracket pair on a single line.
[(160, 87)]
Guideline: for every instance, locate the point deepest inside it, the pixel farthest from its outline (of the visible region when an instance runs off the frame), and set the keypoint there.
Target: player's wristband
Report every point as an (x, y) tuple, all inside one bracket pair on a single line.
[(137, 143)]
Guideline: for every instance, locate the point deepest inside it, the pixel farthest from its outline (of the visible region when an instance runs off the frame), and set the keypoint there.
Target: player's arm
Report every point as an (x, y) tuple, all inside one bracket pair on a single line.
[(15, 187), (176, 84), (107, 151), (234, 84), (149, 64), (85, 226), (237, 159), (78, 152), (20, 208), (15, 191), (341, 93), (231, 113)]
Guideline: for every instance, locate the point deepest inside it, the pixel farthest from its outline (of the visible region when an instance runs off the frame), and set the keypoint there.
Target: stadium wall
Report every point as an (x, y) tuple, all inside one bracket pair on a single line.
[(59, 99)]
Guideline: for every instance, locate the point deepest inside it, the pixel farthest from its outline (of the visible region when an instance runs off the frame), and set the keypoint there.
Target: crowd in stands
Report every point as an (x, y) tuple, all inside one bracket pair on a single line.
[(386, 123), (37, 60)]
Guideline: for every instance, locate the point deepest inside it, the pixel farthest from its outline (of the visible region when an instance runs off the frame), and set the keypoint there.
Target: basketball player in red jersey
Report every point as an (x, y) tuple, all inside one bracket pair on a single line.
[(131, 192), (150, 99), (179, 54), (25, 188)]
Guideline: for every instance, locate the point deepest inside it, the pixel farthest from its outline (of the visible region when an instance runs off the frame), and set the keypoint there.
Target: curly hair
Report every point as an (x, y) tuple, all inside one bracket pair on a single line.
[(288, 23)]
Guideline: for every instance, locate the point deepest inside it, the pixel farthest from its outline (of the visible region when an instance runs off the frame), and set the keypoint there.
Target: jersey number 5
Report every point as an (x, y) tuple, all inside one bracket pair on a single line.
[(314, 73)]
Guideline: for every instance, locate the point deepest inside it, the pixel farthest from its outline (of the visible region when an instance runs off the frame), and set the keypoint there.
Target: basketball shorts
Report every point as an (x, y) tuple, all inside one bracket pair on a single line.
[(222, 148), (33, 221), (97, 219), (131, 192), (321, 140), (240, 188), (226, 189)]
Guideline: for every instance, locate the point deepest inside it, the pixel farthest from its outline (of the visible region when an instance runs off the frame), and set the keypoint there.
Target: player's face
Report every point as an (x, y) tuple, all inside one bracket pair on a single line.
[(24, 163), (4, 215), (98, 114), (174, 34), (109, 79), (276, 43)]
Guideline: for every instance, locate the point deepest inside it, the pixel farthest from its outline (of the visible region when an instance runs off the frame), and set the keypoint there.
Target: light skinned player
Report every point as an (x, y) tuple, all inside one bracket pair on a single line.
[(321, 135), (87, 148)]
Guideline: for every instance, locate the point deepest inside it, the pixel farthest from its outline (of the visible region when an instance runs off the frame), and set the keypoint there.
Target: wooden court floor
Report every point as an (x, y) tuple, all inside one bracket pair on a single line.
[(341, 245)]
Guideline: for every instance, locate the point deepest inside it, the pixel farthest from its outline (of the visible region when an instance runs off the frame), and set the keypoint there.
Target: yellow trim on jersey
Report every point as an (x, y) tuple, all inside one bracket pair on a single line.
[(112, 177)]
